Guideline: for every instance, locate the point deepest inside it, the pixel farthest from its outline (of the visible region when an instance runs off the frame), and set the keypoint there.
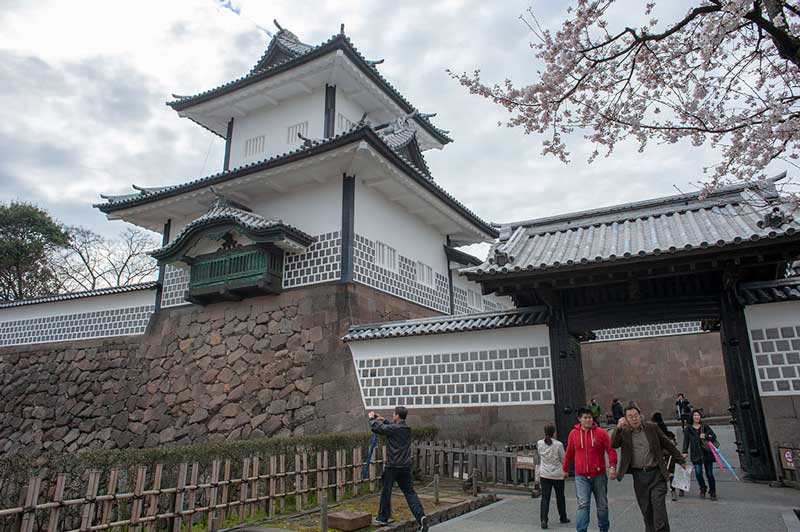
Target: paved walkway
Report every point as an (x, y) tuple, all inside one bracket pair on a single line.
[(742, 506)]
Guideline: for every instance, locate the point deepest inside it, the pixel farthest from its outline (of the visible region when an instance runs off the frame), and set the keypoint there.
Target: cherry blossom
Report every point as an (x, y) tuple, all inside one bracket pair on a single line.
[(727, 75)]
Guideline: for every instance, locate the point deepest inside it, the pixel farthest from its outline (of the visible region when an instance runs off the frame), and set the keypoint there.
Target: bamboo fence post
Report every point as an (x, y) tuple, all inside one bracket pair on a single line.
[(305, 478), (451, 471), (213, 524), (243, 487), (226, 478), (282, 482), (136, 506), (298, 483), (192, 495), (31, 499), (356, 471), (325, 471), (319, 477), (152, 507), (252, 507), (58, 496), (339, 471), (87, 516), (179, 496), (436, 489), (112, 489), (272, 469), (323, 513)]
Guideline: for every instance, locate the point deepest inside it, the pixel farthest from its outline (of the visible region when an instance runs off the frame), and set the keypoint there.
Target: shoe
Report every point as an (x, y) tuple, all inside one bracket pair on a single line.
[(674, 497), (544, 525), (680, 493), (702, 494), (564, 520), (713, 496), (423, 524), (381, 522)]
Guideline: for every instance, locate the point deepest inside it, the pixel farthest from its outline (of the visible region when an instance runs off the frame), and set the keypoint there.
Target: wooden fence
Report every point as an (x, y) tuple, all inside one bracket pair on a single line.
[(225, 492), (493, 466)]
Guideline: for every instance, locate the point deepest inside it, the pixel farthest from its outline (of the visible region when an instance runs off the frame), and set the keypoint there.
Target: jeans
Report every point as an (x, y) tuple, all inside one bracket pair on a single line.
[(404, 479), (651, 492), (584, 488), (548, 485), (698, 472)]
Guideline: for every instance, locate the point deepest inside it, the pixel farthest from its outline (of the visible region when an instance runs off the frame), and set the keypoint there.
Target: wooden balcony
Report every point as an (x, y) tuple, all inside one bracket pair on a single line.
[(235, 274)]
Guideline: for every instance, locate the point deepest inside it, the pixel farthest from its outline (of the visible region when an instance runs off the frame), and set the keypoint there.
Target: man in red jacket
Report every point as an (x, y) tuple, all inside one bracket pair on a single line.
[(588, 445)]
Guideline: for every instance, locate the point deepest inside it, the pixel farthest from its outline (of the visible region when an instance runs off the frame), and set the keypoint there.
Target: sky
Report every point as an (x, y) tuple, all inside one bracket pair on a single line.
[(83, 87)]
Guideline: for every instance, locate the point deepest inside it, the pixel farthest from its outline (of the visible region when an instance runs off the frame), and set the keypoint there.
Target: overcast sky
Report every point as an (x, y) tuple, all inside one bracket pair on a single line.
[(83, 87)]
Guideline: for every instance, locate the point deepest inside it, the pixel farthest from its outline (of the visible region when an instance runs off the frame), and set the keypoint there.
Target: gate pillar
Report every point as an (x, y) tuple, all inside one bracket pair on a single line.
[(752, 442)]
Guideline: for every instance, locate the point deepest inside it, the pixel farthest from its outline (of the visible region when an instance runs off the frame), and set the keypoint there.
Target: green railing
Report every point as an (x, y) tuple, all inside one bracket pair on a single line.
[(233, 266)]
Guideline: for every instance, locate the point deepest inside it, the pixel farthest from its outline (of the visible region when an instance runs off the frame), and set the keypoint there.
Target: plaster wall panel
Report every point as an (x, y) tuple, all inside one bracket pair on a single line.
[(774, 331), (377, 218), (273, 123), (480, 368)]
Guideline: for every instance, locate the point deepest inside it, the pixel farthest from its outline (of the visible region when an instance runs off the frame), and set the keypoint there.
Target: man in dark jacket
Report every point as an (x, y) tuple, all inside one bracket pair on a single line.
[(642, 446), (683, 411), (398, 466), (616, 410)]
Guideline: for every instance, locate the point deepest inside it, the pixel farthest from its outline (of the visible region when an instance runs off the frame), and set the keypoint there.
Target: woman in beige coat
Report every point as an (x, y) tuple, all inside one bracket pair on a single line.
[(551, 459)]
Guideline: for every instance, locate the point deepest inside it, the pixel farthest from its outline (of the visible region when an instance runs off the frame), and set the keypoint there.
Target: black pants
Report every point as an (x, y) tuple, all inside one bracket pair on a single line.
[(548, 485), (651, 494), (404, 479)]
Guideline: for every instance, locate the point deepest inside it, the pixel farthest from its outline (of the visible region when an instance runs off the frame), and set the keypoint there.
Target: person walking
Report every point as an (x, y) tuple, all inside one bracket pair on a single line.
[(397, 467), (587, 447), (551, 458), (642, 445), (616, 410), (695, 440), (597, 411), (683, 411), (658, 419)]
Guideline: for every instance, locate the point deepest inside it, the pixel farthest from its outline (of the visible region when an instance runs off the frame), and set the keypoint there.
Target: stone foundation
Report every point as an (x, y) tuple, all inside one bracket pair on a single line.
[(652, 371), (268, 366)]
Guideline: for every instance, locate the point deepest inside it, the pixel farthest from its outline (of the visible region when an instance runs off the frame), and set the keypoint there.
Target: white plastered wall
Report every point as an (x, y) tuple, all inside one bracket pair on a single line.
[(774, 332), (88, 317), (377, 218), (273, 122), (479, 368), (315, 209), (347, 108), (459, 281)]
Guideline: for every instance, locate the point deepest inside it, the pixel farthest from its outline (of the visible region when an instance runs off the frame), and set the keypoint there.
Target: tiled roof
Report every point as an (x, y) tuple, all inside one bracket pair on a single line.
[(223, 211), (358, 132), (285, 41), (676, 224), (78, 295), (769, 291), (336, 42), (448, 324)]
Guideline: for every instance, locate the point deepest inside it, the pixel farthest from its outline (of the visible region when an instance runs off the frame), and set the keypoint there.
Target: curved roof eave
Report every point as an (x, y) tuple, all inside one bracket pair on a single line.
[(337, 42), (360, 133)]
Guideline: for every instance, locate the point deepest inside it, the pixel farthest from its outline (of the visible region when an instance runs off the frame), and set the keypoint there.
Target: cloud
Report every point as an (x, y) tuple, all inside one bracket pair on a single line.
[(82, 99)]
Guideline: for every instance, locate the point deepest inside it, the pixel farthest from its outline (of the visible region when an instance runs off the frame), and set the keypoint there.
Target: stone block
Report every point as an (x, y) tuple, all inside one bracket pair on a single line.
[(349, 520)]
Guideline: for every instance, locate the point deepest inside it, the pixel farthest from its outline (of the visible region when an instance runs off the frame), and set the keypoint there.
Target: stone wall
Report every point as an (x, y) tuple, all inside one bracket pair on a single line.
[(268, 366), (652, 371)]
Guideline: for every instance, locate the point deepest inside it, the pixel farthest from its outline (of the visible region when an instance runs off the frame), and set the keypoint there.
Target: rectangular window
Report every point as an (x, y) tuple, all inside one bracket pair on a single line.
[(385, 256), (254, 146), (342, 123), (297, 129), (424, 274)]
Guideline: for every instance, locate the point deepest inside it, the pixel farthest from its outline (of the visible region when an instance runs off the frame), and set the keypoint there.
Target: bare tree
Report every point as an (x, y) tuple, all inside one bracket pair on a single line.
[(91, 261)]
